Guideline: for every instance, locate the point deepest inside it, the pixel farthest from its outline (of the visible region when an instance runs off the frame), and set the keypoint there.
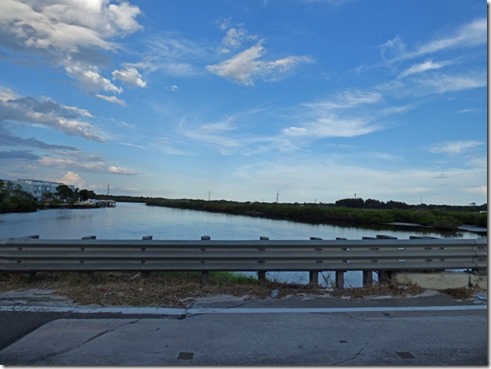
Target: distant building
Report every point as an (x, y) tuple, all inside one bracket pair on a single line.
[(37, 187)]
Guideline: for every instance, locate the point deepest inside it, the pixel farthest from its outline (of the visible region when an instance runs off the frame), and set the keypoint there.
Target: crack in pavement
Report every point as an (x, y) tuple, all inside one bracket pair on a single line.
[(42, 358)]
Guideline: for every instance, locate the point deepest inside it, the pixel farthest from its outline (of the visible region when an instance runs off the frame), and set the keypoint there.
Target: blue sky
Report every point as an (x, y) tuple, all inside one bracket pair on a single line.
[(316, 100)]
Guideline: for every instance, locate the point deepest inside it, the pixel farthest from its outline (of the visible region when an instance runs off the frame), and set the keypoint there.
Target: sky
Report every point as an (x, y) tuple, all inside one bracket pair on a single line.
[(248, 100)]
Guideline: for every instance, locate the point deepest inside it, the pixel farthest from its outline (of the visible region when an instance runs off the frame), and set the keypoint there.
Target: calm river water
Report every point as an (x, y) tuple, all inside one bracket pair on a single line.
[(134, 220)]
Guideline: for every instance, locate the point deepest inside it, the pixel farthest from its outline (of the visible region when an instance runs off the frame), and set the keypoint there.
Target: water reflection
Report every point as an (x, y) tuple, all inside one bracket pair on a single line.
[(132, 221)]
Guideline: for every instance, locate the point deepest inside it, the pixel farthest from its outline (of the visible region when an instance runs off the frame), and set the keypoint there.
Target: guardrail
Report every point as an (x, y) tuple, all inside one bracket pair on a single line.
[(368, 255)]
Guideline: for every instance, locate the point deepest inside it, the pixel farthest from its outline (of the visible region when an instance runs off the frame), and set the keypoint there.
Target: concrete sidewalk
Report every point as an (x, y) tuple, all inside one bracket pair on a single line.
[(431, 329)]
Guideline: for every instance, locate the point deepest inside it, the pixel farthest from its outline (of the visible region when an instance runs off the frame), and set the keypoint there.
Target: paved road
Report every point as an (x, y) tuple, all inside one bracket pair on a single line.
[(425, 331)]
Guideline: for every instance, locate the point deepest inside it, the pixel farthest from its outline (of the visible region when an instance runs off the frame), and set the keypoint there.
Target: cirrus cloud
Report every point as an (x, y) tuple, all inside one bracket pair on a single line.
[(245, 67), (454, 147)]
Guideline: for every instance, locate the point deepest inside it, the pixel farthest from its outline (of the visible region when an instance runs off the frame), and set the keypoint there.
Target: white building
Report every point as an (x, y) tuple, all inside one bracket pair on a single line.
[(37, 187)]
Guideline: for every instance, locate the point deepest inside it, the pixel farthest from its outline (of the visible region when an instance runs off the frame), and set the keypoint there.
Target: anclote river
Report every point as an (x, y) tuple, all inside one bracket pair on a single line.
[(134, 220)]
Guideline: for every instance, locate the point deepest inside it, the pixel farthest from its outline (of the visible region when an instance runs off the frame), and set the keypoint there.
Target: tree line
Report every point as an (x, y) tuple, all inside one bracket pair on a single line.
[(14, 199), (343, 212)]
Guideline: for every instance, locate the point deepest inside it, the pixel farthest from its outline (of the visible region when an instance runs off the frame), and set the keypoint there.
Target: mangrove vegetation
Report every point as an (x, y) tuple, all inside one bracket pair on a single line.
[(343, 212)]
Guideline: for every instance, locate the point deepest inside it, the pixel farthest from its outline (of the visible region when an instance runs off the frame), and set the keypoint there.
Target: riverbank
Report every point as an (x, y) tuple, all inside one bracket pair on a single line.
[(435, 218)]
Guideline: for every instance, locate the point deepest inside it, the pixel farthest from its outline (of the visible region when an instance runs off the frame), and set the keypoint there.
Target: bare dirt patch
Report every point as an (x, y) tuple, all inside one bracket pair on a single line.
[(380, 290)]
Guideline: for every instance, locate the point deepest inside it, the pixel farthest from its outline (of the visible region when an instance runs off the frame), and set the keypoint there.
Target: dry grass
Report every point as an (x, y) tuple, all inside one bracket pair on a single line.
[(462, 293), (152, 289), (170, 289)]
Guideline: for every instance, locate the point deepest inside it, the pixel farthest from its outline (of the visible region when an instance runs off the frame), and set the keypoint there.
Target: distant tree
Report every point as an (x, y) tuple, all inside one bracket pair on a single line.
[(350, 203), (396, 205), (86, 194), (374, 204), (64, 192), (14, 199)]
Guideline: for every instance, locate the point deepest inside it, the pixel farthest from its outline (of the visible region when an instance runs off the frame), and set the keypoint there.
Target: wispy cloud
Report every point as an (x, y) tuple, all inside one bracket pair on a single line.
[(348, 99), (173, 55), (246, 67), (441, 83), (111, 99), (468, 35), (332, 127), (454, 147), (84, 162), (235, 36), (340, 116), (425, 66), (471, 34)]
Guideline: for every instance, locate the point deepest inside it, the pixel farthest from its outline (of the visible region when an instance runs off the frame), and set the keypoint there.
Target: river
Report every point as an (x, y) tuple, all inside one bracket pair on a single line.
[(134, 220)]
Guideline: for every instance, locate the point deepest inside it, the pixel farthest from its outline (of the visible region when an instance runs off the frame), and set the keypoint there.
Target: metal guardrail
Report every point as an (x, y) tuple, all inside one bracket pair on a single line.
[(32, 255)]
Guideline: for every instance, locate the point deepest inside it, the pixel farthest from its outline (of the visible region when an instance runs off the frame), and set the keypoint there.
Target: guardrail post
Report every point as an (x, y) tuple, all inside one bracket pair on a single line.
[(384, 276), (204, 274), (314, 278), (204, 278), (367, 278), (261, 277), (340, 279)]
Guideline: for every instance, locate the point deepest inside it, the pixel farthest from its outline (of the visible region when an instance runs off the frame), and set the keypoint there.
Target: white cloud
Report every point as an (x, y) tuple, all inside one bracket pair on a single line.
[(74, 34), (423, 67), (234, 37), (348, 99), (91, 80), (333, 127), (66, 26), (111, 99), (173, 56), (83, 162), (245, 67), (471, 34), (343, 115), (454, 147), (46, 112), (120, 170), (442, 83), (129, 76), (72, 178)]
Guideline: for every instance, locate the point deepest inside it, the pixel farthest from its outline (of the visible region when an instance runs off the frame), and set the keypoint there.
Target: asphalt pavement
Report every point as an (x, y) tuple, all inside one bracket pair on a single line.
[(432, 329)]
